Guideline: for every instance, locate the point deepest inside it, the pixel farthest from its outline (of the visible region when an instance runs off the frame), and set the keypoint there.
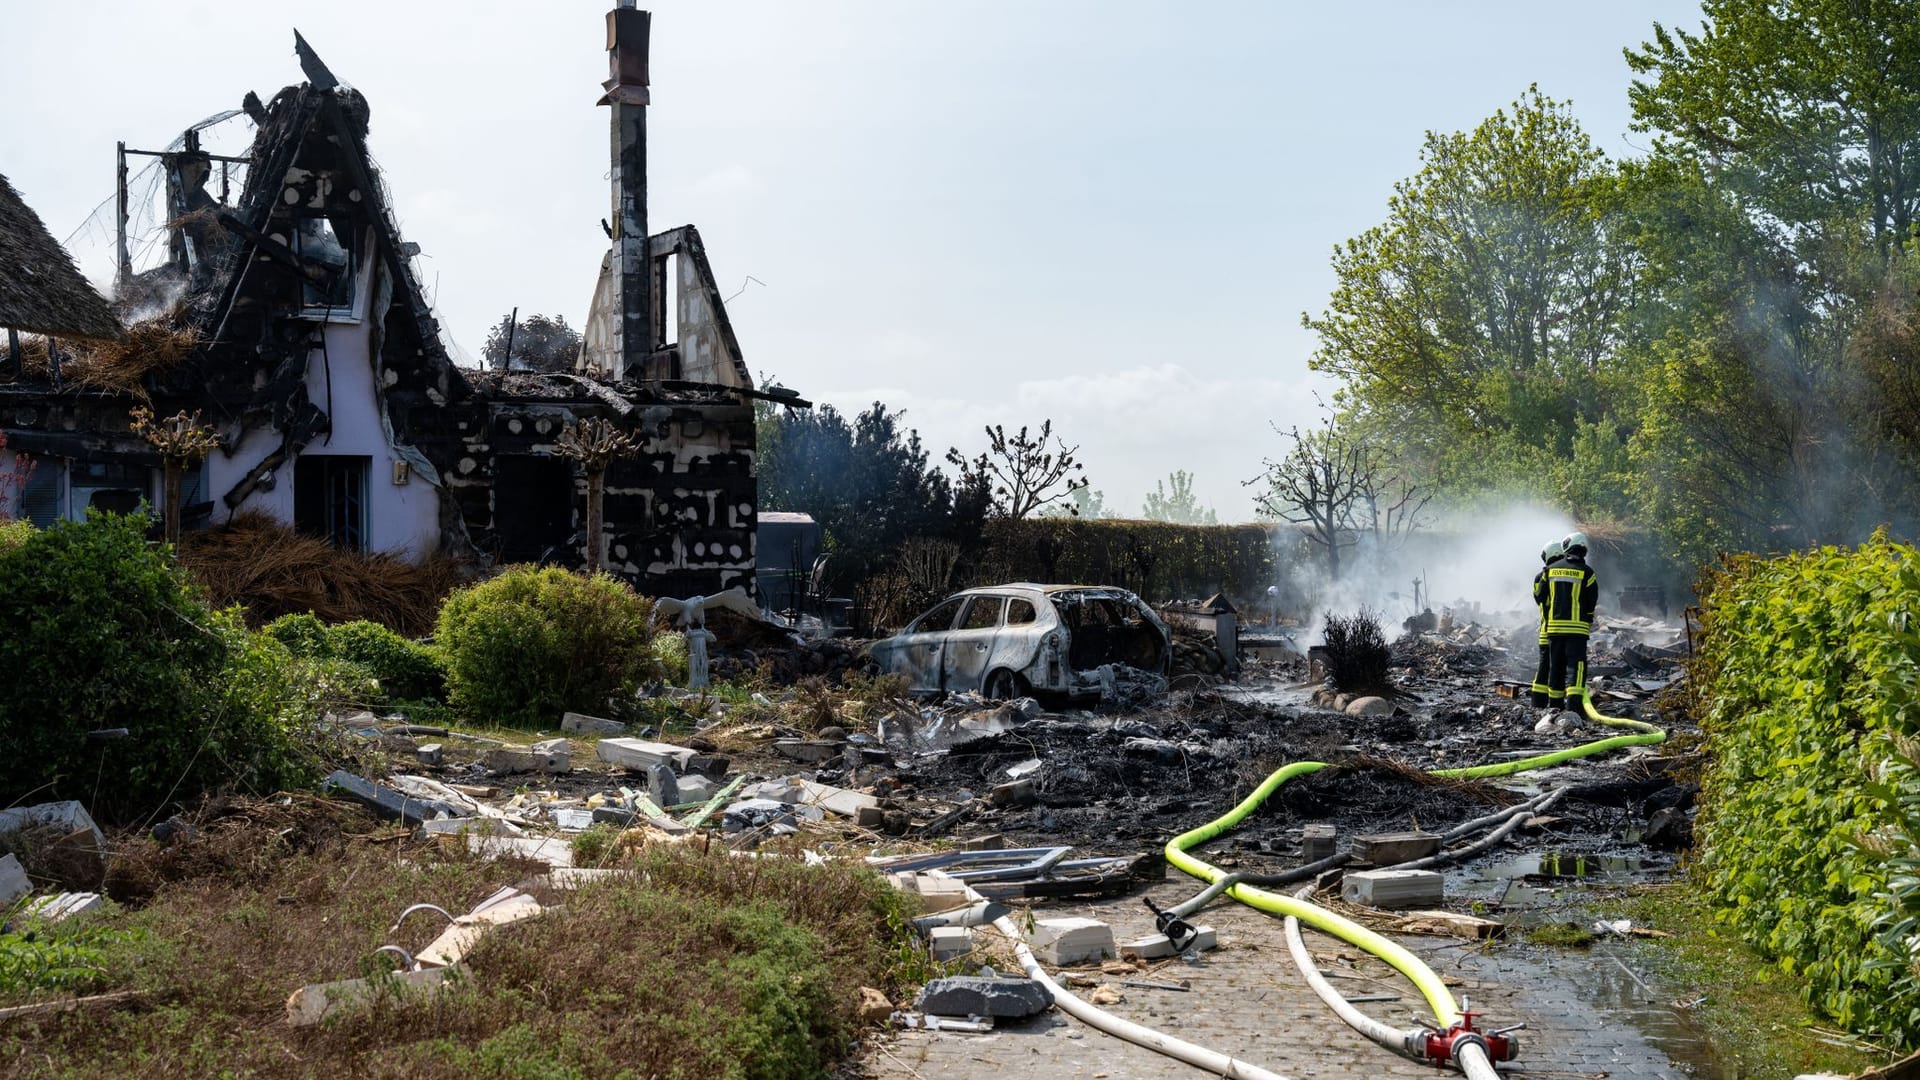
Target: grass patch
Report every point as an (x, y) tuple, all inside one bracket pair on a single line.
[(1755, 1014), (697, 965)]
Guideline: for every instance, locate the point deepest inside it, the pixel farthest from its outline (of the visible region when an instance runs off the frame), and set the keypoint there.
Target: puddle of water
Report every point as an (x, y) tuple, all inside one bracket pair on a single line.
[(1605, 869)]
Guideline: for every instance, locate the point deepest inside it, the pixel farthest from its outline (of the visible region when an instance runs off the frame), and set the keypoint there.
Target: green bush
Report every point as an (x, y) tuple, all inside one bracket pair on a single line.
[(406, 670), (102, 633), (1810, 673), (535, 642)]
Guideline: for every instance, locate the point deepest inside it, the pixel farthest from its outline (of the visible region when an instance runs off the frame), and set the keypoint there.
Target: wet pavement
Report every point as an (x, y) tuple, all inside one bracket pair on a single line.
[(1585, 1016)]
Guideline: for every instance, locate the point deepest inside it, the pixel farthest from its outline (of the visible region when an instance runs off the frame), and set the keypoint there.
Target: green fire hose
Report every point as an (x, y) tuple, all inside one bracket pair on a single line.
[(1438, 997)]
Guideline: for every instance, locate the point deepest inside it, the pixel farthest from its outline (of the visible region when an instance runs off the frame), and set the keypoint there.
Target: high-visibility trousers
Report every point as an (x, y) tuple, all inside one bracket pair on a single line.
[(1566, 670)]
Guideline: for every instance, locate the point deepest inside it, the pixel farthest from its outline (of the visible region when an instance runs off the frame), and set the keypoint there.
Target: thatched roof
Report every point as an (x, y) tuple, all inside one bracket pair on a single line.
[(40, 288)]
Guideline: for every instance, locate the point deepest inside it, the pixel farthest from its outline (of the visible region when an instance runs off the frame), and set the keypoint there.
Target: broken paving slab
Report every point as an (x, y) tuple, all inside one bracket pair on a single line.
[(1389, 849), (61, 906), (312, 1004), (1070, 941), (550, 756), (950, 942), (1159, 946), (550, 849), (582, 724), (811, 751), (503, 908), (638, 754), (387, 802), (977, 995)]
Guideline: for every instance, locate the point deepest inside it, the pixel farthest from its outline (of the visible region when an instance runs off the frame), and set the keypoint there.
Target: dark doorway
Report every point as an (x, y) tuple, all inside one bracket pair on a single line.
[(532, 507), (330, 498)]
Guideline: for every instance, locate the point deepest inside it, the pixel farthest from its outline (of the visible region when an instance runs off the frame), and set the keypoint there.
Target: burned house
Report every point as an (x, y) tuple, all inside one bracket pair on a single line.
[(306, 342)]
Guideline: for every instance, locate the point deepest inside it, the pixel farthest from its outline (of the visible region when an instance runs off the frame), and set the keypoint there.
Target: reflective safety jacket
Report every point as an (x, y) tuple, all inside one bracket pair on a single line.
[(1567, 592), (1540, 602)]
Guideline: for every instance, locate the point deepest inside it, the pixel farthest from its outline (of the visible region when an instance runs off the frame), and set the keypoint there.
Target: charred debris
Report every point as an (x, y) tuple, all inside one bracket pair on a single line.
[(288, 315)]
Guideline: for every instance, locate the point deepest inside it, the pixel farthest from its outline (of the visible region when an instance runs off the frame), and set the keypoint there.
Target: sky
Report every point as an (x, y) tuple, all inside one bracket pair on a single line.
[(1110, 215)]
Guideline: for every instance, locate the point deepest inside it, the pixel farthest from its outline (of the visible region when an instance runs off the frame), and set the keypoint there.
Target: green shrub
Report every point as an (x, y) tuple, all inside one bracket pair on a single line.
[(101, 634), (405, 670), (535, 642), (1810, 675)]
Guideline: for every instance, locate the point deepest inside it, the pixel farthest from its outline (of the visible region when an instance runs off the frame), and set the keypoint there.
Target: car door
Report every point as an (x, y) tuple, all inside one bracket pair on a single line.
[(917, 651), (970, 644)]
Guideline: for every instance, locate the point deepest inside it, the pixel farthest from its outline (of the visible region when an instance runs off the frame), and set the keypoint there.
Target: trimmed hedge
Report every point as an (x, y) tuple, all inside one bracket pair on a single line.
[(1810, 675), (1156, 559)]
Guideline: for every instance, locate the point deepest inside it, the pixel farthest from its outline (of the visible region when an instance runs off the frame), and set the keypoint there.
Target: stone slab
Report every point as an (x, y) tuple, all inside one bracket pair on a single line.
[(950, 942), (312, 1004), (1159, 946), (973, 995), (637, 754), (1387, 849), (582, 724)]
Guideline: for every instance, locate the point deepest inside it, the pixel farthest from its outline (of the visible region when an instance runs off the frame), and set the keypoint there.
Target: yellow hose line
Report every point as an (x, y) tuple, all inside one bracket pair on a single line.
[(1439, 998)]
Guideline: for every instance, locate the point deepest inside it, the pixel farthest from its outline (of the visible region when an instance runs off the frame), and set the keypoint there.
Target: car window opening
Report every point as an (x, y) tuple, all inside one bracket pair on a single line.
[(1106, 631)]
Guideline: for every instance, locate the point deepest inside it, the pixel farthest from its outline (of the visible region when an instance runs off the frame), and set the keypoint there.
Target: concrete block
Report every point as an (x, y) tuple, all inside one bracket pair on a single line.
[(637, 754), (1017, 793), (55, 908), (1316, 841), (868, 817), (1387, 849), (1159, 946), (711, 766), (1393, 888), (695, 788), (582, 724), (68, 816), (430, 753), (1069, 941), (614, 815), (556, 755), (950, 942), (989, 842), (662, 787), (972, 995), (14, 883), (506, 760)]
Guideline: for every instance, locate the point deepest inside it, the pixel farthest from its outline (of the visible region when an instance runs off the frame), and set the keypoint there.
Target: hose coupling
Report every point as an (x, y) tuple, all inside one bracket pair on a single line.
[(1180, 933), (1441, 1047)]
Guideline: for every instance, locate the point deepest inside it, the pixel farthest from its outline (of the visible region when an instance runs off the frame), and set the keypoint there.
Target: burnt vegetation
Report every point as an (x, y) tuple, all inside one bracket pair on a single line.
[(1358, 657)]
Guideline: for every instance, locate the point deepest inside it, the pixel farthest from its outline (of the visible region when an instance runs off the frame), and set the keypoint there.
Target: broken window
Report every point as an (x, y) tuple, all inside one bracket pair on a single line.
[(110, 486), (330, 498), (532, 506), (940, 618), (1108, 630), (316, 240), (1020, 613), (43, 499), (983, 614)]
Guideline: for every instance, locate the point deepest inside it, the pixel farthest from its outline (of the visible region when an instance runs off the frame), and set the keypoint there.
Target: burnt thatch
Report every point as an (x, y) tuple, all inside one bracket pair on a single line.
[(40, 288)]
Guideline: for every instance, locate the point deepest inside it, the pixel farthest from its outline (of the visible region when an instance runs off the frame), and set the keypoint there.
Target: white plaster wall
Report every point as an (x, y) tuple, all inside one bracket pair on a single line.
[(402, 519)]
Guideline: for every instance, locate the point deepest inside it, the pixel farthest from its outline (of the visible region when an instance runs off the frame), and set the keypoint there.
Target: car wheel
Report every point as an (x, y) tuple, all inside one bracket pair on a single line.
[(1004, 685)]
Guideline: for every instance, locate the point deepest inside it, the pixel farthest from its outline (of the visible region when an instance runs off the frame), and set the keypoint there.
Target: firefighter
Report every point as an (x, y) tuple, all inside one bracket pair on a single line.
[(1572, 591), (1551, 552)]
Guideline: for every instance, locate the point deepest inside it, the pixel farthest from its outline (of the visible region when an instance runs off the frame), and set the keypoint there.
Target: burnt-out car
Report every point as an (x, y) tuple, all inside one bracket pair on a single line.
[(1008, 641)]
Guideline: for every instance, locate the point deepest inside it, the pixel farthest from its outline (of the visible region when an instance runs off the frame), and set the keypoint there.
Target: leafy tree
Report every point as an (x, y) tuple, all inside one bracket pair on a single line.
[(1173, 500), (1340, 490), (1778, 213), (540, 343), (1025, 472), (1492, 298), (867, 482), (1083, 503)]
